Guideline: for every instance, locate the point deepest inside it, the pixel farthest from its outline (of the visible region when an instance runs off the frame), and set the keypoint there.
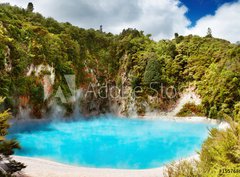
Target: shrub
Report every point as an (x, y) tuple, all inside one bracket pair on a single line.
[(183, 169), (221, 151), (191, 109), (7, 147)]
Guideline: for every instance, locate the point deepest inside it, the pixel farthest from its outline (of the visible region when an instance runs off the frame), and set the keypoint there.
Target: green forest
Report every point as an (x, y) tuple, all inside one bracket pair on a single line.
[(132, 59)]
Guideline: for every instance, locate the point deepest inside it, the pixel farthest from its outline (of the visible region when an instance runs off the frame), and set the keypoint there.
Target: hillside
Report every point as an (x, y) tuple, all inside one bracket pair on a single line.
[(33, 47)]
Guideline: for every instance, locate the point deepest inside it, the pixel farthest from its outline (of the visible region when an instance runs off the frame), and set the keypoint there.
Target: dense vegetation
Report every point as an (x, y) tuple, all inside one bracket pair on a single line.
[(220, 156), (6, 148), (27, 38), (191, 109), (130, 59)]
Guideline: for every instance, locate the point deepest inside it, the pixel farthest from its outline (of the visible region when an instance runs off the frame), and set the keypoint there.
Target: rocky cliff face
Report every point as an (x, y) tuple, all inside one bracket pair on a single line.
[(38, 54)]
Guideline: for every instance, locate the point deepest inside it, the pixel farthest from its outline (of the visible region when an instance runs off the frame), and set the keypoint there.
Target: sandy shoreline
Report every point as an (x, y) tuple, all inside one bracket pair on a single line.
[(45, 168)]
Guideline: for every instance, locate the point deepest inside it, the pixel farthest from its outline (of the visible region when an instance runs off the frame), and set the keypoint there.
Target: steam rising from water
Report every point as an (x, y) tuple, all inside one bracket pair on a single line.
[(56, 111), (110, 142)]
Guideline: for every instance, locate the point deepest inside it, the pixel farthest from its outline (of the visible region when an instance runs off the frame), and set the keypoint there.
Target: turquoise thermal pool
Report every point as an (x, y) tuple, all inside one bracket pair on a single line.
[(110, 142)]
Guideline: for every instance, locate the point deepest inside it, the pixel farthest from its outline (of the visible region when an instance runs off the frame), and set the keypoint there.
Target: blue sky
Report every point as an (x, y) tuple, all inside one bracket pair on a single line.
[(201, 8), (160, 18)]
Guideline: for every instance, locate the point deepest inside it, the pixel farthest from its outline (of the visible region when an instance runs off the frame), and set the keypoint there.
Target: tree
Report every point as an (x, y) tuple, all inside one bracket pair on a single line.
[(153, 72), (178, 38), (30, 7), (6, 147), (176, 35), (209, 32)]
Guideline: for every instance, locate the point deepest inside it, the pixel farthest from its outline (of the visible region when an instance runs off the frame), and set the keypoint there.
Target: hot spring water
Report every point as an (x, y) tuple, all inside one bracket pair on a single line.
[(111, 142)]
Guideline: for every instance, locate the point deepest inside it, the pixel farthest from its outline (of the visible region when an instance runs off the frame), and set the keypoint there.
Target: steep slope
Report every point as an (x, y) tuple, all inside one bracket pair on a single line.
[(129, 73)]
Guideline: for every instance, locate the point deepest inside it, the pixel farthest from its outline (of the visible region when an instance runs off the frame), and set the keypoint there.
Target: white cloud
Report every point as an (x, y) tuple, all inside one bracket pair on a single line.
[(225, 23), (161, 18)]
